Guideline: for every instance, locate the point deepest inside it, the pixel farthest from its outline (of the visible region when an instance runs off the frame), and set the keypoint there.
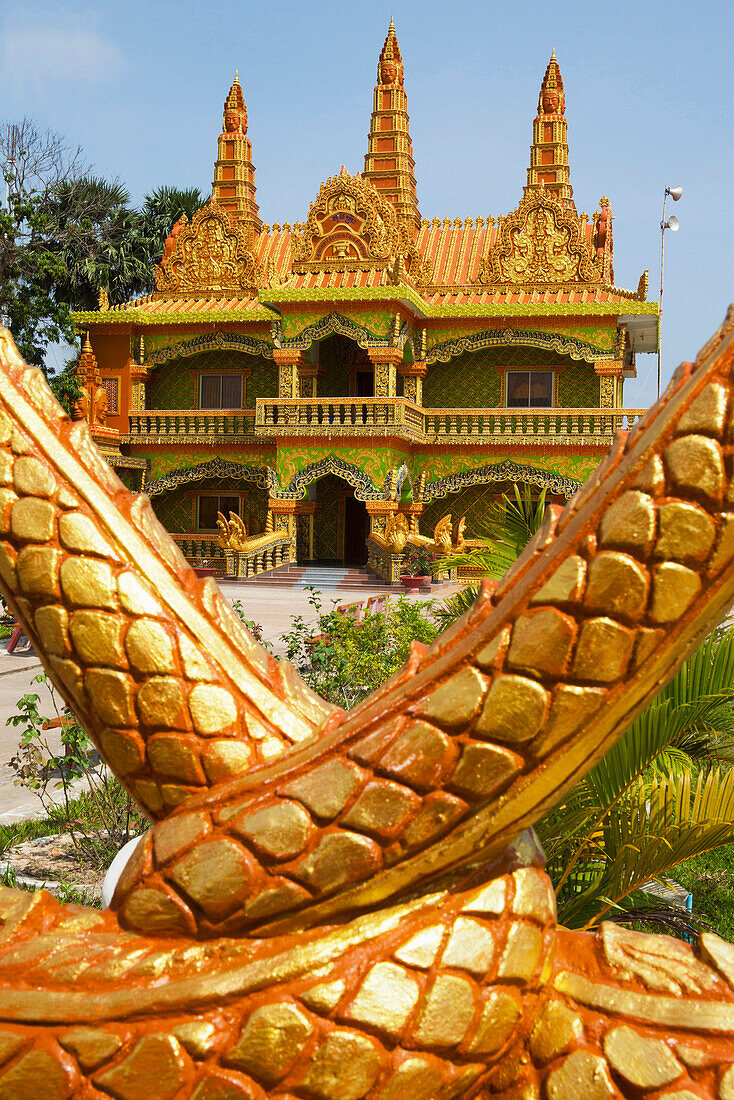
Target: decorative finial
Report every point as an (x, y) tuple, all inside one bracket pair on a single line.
[(552, 100), (235, 111), (390, 66)]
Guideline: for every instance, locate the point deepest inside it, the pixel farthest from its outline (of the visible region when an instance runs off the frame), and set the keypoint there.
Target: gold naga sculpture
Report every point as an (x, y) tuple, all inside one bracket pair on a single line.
[(232, 532), (396, 533), (350, 907)]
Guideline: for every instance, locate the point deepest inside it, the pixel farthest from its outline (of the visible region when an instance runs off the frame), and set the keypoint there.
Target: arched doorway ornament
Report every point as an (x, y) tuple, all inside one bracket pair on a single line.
[(502, 471), (263, 476), (364, 487)]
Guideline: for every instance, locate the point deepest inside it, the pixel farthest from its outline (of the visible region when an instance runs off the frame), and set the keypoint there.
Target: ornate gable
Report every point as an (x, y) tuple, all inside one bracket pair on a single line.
[(539, 244), (209, 255), (350, 227)]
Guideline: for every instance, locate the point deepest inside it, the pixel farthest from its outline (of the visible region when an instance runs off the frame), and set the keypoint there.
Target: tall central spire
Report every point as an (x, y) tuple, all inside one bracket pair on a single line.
[(234, 175), (389, 164), (549, 152)]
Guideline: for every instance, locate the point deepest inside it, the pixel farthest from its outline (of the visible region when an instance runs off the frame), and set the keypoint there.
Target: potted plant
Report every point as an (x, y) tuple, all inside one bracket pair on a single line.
[(417, 568)]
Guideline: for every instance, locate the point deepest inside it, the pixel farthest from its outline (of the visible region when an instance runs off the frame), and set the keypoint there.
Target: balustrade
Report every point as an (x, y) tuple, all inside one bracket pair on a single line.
[(381, 416), (192, 425), (268, 551), (554, 426), (339, 416)]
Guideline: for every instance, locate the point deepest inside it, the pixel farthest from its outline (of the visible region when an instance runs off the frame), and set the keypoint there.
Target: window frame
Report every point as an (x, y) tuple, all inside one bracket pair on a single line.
[(530, 371), (221, 375), (239, 497)]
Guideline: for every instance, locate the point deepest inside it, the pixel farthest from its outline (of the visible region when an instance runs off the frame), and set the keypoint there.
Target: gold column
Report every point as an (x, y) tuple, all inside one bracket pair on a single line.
[(309, 374), (610, 377), (385, 362), (413, 375), (289, 363)]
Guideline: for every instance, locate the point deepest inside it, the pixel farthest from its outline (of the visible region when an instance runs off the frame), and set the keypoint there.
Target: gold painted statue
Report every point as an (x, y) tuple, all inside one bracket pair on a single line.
[(232, 532), (349, 907), (396, 533), (442, 535)]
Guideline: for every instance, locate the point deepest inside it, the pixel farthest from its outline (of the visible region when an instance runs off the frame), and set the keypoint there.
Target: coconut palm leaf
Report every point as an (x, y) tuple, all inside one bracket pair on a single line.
[(634, 815), (645, 838)]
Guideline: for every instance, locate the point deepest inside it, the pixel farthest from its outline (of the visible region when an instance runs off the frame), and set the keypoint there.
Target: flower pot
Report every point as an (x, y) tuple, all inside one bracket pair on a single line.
[(414, 583), (205, 571)]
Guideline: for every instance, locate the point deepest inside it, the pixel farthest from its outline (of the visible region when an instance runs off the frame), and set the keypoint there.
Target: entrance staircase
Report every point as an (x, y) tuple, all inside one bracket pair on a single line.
[(321, 577)]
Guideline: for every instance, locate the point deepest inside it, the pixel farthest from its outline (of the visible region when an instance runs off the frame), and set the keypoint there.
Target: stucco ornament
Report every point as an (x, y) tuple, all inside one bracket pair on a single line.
[(350, 907), (209, 254), (539, 243)]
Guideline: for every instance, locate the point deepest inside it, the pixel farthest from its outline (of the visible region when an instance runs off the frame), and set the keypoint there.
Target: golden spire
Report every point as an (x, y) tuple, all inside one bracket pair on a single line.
[(389, 164), (234, 174), (549, 170)]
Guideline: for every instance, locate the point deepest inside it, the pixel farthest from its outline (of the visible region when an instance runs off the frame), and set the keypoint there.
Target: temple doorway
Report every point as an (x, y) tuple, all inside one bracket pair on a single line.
[(340, 524)]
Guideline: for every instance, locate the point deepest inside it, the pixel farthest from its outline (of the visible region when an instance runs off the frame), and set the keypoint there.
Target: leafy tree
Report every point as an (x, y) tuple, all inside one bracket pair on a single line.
[(29, 272), (100, 240)]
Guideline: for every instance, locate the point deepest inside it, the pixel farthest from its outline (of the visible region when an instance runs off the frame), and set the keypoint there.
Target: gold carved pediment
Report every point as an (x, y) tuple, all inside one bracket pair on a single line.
[(539, 244), (209, 255), (350, 226)]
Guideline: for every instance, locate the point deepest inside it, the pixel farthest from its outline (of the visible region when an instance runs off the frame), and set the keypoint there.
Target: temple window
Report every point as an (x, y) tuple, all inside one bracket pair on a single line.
[(111, 387), (529, 389), (208, 504), (220, 391)]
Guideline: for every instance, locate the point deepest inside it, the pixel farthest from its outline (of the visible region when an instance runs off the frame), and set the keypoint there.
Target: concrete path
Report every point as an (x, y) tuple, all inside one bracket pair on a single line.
[(273, 608)]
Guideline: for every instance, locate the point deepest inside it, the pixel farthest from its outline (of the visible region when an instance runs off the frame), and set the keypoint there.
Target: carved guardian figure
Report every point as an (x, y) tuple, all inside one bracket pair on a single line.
[(350, 907)]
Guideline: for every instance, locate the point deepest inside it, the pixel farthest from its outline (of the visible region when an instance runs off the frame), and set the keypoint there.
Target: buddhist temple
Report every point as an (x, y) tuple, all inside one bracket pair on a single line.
[(308, 383)]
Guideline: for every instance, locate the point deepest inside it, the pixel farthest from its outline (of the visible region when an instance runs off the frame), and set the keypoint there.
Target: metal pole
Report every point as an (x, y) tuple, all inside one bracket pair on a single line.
[(660, 310)]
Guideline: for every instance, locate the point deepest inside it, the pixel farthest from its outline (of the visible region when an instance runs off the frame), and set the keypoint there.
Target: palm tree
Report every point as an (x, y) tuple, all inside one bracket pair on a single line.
[(100, 240), (161, 210), (508, 527), (662, 794)]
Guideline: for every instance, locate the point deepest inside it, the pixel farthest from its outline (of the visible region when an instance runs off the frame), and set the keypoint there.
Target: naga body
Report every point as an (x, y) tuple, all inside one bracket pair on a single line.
[(351, 906)]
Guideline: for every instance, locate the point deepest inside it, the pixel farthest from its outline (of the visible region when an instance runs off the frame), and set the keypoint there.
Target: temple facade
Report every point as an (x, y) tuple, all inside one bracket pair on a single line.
[(289, 391)]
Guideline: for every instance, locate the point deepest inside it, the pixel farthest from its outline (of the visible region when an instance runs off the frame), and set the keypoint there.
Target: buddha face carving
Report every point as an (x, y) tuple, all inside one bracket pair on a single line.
[(550, 101), (234, 121), (388, 72)]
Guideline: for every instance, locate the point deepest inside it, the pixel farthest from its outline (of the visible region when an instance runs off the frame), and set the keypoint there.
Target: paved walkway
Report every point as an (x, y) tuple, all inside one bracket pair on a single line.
[(273, 608)]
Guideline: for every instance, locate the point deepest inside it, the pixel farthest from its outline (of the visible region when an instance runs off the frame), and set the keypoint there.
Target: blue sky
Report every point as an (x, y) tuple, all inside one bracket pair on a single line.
[(649, 102)]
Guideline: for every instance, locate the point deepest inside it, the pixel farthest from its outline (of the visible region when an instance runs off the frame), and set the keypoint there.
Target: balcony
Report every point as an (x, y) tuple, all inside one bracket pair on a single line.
[(396, 416), (553, 426), (191, 426), (325, 418), (339, 416)]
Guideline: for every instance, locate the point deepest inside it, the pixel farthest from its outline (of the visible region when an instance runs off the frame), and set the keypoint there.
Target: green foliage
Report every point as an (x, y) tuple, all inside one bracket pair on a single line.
[(508, 528), (653, 801), (102, 818), (29, 272), (453, 607), (710, 878), (161, 210), (343, 659)]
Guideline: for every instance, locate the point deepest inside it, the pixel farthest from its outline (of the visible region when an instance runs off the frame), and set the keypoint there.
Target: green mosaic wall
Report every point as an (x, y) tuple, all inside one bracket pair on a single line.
[(473, 502), (174, 385), (333, 353), (326, 519), (263, 382), (474, 380), (578, 386), (177, 510)]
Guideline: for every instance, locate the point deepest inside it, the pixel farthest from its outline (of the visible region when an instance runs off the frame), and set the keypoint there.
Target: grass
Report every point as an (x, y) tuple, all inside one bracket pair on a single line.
[(710, 878)]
